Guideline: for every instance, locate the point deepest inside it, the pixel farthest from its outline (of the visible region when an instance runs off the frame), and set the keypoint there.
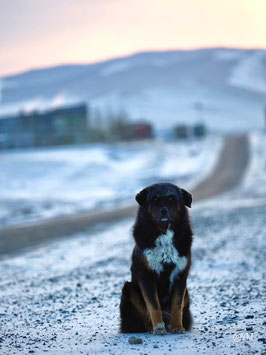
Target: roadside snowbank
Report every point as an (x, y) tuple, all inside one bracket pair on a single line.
[(46, 183)]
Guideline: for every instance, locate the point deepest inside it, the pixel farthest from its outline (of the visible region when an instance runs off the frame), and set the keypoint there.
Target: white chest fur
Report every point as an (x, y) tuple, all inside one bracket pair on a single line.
[(165, 252)]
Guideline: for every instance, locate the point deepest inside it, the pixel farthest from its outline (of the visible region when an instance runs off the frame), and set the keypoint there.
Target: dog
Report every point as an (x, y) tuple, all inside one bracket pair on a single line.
[(156, 299)]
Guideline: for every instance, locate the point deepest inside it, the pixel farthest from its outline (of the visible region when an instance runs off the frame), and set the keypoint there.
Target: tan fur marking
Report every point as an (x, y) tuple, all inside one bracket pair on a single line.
[(177, 311), (146, 264), (186, 299), (155, 314)]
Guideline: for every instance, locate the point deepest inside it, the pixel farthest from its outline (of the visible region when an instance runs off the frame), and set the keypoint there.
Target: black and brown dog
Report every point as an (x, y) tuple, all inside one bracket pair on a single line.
[(157, 299)]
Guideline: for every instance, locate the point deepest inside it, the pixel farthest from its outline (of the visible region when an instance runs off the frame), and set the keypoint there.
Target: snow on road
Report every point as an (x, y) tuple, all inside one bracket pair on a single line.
[(36, 184), (63, 298)]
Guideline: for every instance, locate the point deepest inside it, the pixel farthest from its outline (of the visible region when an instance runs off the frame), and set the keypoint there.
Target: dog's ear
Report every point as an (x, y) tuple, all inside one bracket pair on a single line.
[(141, 197), (187, 198)]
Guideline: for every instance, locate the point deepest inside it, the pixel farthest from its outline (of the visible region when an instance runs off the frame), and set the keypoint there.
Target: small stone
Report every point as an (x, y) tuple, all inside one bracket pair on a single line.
[(135, 340), (249, 316)]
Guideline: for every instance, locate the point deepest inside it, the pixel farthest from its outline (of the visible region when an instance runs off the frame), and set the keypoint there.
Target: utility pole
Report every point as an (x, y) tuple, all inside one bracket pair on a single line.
[(199, 108)]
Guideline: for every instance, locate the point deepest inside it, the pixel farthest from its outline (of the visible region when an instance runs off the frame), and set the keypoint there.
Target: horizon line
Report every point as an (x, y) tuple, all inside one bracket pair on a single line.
[(126, 55)]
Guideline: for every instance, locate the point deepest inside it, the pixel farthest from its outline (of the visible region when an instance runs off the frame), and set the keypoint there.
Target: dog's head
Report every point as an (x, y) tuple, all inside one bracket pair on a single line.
[(164, 202)]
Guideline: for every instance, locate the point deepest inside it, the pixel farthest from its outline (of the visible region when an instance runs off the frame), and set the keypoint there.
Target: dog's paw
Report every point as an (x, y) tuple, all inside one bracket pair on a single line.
[(159, 329), (178, 330)]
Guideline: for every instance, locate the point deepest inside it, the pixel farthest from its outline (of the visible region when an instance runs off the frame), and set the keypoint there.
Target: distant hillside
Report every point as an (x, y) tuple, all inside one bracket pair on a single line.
[(161, 86)]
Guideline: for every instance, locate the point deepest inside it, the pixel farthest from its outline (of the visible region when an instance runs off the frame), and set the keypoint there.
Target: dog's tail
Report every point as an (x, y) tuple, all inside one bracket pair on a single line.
[(187, 316)]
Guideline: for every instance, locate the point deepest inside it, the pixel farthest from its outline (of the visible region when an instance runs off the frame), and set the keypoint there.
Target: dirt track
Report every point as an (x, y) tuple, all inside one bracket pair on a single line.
[(228, 171), (226, 175)]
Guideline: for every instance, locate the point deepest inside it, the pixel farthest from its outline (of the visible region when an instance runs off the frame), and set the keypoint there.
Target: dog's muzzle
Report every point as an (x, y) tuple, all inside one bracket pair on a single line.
[(164, 216)]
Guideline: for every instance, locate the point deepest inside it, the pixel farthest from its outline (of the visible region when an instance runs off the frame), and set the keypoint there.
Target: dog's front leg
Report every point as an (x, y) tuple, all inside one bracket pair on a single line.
[(177, 308), (151, 298)]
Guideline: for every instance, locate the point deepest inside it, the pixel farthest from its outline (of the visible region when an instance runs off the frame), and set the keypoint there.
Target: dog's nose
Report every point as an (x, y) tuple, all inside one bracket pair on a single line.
[(164, 210)]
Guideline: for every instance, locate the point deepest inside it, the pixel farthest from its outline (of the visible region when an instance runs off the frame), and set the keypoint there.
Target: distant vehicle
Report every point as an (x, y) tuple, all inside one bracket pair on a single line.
[(65, 125)]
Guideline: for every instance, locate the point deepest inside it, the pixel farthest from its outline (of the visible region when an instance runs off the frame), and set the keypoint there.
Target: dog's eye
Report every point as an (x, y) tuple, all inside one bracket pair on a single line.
[(171, 198), (155, 199)]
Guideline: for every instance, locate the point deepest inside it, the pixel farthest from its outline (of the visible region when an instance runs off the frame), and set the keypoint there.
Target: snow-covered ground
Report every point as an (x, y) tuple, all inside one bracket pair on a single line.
[(63, 298), (45, 183)]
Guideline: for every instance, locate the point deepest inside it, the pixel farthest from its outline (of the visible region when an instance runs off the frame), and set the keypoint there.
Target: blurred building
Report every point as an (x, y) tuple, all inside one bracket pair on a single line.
[(67, 125), (138, 130), (199, 130), (183, 131)]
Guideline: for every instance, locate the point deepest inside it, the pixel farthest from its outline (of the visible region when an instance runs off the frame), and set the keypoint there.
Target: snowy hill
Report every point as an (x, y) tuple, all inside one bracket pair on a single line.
[(160, 86)]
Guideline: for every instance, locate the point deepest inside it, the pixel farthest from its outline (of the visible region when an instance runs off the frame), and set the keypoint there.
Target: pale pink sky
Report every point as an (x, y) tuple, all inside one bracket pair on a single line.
[(37, 33)]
